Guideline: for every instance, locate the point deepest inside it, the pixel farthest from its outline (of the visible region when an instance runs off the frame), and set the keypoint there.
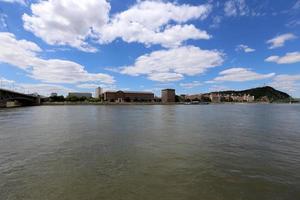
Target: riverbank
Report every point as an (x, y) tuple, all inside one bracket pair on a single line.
[(105, 103), (147, 103)]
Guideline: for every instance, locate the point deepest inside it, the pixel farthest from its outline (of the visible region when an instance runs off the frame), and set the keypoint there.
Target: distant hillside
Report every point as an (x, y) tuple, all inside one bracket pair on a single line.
[(266, 93)]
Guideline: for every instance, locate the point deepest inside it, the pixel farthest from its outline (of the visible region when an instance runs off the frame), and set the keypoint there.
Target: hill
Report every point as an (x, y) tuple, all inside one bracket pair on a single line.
[(266, 93)]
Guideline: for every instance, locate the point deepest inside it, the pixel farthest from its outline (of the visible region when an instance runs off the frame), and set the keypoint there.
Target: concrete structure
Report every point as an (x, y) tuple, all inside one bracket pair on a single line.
[(193, 97), (215, 97), (168, 95), (244, 98), (128, 96), (12, 99), (80, 94), (98, 93), (249, 98)]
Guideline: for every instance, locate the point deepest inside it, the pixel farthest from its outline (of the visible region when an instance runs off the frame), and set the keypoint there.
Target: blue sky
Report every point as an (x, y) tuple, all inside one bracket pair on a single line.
[(193, 46)]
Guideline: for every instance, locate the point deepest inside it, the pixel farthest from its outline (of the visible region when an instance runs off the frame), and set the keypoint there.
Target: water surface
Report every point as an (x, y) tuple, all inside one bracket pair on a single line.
[(209, 152)]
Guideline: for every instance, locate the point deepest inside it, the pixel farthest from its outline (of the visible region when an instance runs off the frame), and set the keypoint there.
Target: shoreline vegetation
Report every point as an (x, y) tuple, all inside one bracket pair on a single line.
[(66, 103), (260, 95)]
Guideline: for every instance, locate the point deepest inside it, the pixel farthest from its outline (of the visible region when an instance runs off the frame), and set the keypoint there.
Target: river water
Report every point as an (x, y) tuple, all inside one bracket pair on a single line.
[(209, 152)]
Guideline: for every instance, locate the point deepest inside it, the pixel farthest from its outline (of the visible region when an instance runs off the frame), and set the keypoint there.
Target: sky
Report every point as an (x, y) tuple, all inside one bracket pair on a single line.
[(193, 46)]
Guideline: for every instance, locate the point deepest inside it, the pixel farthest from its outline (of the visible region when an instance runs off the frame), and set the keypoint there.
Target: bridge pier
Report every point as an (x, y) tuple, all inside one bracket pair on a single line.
[(2, 104), (12, 104)]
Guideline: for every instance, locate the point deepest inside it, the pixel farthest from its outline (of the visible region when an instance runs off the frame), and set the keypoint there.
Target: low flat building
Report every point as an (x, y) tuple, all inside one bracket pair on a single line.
[(80, 94), (128, 96), (168, 96)]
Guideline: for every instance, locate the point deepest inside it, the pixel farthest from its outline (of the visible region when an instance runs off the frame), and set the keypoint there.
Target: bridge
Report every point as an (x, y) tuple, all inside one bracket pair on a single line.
[(10, 98)]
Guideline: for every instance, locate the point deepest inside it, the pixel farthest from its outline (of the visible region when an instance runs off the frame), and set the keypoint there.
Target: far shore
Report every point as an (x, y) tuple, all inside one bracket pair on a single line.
[(150, 103)]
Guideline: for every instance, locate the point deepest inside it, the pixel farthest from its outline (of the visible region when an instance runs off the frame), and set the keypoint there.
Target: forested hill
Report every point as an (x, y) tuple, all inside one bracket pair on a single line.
[(262, 93)]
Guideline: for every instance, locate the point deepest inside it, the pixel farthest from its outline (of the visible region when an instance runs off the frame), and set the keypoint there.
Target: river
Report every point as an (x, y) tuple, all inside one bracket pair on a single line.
[(150, 152)]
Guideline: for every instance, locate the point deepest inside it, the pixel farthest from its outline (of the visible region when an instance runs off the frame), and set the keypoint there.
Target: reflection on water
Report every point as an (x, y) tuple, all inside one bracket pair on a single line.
[(150, 152)]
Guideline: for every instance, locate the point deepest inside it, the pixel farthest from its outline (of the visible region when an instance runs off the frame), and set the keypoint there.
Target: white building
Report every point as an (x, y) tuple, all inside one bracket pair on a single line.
[(98, 92), (80, 94)]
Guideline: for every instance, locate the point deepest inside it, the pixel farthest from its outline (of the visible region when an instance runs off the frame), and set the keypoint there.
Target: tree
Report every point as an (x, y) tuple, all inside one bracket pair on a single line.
[(57, 99)]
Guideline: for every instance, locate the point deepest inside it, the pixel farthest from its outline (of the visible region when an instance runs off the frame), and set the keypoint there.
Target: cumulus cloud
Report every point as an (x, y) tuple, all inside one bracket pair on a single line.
[(287, 83), (3, 24), (216, 21), (41, 88), (280, 40), (24, 54), (67, 22), (173, 64), (239, 74), (244, 48), (289, 58), (218, 88), (23, 2), (235, 8), (147, 22), (297, 5), (191, 84), (293, 23), (5, 83), (88, 86), (165, 76), (19, 53), (74, 23), (45, 89)]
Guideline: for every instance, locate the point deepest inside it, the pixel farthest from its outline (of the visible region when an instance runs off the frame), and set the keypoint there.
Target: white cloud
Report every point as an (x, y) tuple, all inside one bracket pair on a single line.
[(5, 83), (217, 88), (23, 2), (279, 41), (240, 75), (173, 64), (147, 22), (171, 36), (165, 77), (94, 86), (289, 58), (244, 48), (216, 21), (42, 89), (293, 23), (235, 8), (19, 53), (64, 71), (24, 54), (296, 5), (3, 24), (74, 23), (67, 22), (287, 83), (88, 86), (191, 85)]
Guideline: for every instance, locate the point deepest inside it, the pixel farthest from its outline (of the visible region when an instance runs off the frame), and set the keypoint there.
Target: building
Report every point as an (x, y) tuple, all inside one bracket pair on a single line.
[(98, 92), (128, 96), (53, 94), (248, 98), (193, 97), (168, 95), (215, 97), (80, 94)]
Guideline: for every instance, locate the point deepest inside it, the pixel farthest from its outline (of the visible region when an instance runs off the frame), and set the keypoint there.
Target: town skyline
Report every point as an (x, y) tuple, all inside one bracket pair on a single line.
[(191, 46)]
